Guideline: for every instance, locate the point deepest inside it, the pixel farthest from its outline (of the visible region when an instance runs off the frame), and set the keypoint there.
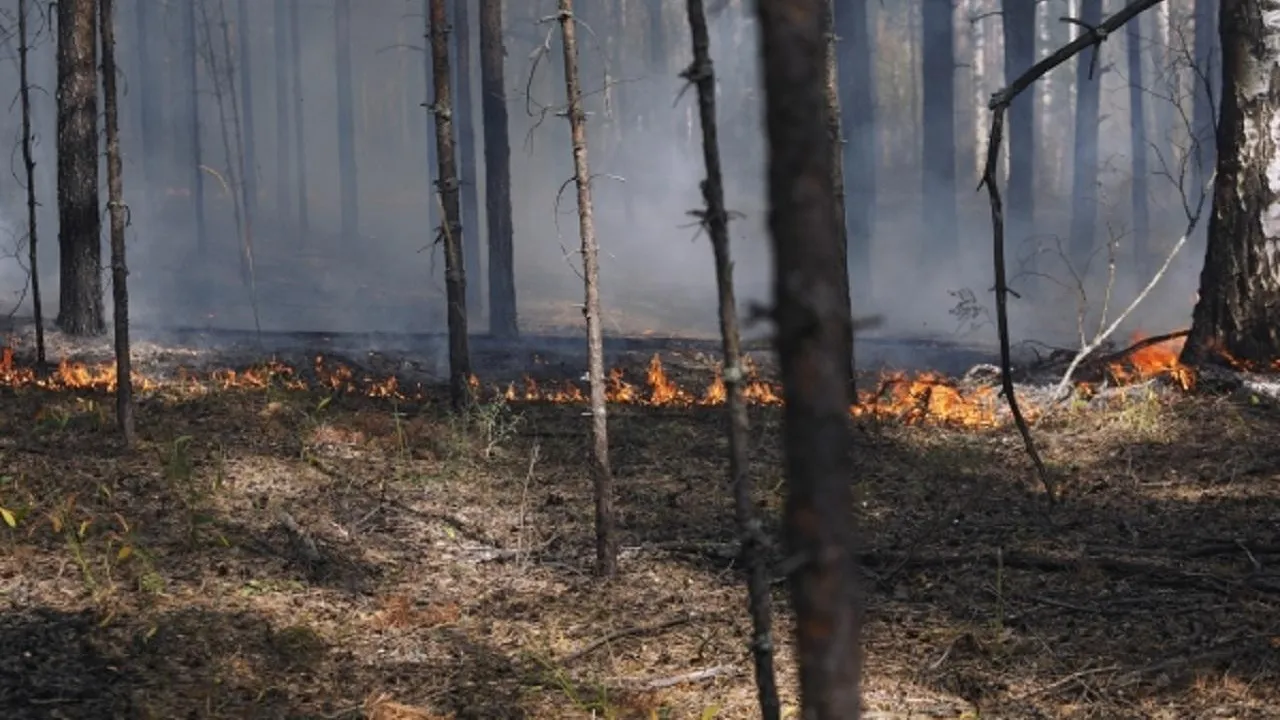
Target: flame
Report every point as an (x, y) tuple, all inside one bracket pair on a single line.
[(1156, 360)]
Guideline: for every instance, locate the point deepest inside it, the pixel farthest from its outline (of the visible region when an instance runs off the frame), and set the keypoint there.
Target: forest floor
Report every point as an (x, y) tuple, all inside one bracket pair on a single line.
[(275, 553)]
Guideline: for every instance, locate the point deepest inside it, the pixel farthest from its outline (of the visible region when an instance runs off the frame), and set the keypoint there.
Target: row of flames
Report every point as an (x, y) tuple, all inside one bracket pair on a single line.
[(920, 398)]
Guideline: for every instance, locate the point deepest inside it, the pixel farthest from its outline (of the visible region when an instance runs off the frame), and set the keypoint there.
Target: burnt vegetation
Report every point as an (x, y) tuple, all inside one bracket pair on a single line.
[(659, 359)]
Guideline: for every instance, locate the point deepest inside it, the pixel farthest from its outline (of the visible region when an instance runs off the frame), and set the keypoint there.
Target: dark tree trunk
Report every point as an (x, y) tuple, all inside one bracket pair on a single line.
[(1208, 80), (451, 229), (497, 173), (433, 207), (938, 149), (1142, 256), (249, 132), (469, 188), (29, 165), (606, 530), (702, 73), (836, 148), (1019, 55), (1084, 173), (299, 126), (1239, 307), (115, 203), (857, 114), (191, 105), (80, 310), (812, 324), (284, 203), (347, 169)]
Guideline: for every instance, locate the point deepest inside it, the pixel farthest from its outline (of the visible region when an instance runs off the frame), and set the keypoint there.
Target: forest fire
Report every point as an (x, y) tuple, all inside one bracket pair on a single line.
[(918, 398)]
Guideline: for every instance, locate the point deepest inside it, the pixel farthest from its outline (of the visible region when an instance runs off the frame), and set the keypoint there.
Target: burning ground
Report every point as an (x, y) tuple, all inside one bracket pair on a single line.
[(319, 539)]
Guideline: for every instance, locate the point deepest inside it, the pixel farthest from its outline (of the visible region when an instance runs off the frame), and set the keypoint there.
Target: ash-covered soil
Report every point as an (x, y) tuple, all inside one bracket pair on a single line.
[(274, 553)]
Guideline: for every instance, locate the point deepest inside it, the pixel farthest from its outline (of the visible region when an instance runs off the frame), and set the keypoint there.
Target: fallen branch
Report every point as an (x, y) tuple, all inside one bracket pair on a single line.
[(627, 632), (673, 680), (1141, 345)]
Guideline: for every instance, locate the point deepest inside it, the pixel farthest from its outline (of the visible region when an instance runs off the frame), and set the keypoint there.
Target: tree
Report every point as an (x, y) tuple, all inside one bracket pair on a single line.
[(115, 205), (854, 61), (1084, 172), (468, 189), (606, 532), (248, 140), (29, 165), (451, 228), (938, 153), (1207, 77), (716, 220), (347, 169), (836, 148), (80, 310), (195, 150), (812, 323), (497, 173), (1020, 31), (1142, 256), (1239, 307)]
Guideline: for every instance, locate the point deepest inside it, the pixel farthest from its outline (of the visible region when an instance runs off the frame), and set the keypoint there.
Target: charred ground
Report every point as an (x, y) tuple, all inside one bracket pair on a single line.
[(273, 550)]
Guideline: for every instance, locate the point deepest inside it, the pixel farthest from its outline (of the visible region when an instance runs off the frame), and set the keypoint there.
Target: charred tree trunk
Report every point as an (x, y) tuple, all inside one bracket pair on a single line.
[(812, 324), (1084, 178), (29, 165), (1142, 256), (836, 140), (80, 310), (1239, 307), (938, 160), (299, 125), (195, 150), (716, 220), (497, 173), (1208, 78), (606, 532), (250, 146), (347, 169), (451, 229), (1019, 55), (115, 204), (857, 114), (469, 184), (284, 203)]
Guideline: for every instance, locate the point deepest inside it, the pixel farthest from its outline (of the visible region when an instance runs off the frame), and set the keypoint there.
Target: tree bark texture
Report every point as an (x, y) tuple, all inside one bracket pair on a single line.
[(836, 139), (702, 74), (1019, 18), (451, 229), (857, 115), (468, 177), (80, 305), (606, 533), (349, 192), (938, 160), (1239, 307), (115, 204), (497, 173), (812, 323), (1084, 173)]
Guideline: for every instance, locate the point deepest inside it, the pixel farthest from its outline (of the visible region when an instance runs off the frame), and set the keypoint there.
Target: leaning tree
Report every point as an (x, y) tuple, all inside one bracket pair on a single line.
[(1239, 307)]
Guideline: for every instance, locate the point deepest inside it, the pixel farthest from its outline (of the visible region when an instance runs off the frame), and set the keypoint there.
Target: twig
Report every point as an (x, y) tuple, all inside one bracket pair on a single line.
[(673, 680), (1073, 677), (626, 633)]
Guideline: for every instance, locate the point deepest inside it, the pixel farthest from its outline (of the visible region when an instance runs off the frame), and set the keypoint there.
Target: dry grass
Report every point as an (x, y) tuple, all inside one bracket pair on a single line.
[(276, 554)]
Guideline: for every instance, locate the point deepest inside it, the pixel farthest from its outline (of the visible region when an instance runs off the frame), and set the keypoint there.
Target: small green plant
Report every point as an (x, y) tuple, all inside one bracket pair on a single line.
[(494, 423)]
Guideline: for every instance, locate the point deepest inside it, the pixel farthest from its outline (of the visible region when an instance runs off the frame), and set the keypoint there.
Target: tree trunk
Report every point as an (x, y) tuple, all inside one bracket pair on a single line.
[(115, 204), (451, 230), (1142, 256), (1207, 77), (29, 165), (1084, 173), (195, 152), (467, 179), (432, 162), (702, 73), (938, 150), (249, 142), (348, 188), (497, 173), (299, 126), (836, 148), (1019, 18), (858, 117), (1239, 307), (606, 533), (80, 310), (280, 24), (812, 325)]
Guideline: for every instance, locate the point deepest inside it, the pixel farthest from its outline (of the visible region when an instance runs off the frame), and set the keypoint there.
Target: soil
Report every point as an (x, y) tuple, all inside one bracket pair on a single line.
[(275, 553)]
